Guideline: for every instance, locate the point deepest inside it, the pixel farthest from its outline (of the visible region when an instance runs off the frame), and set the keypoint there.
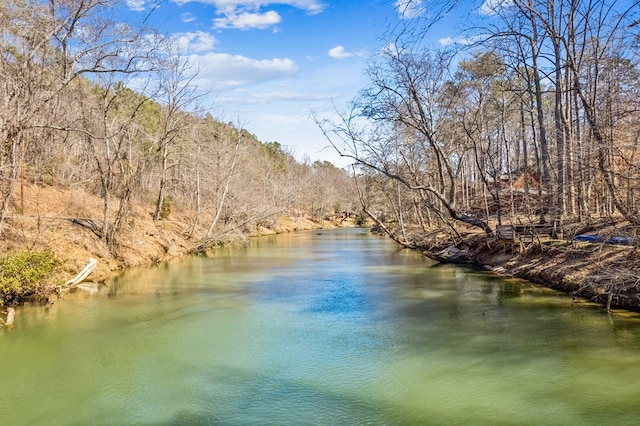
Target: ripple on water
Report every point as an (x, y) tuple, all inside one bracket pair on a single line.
[(295, 329)]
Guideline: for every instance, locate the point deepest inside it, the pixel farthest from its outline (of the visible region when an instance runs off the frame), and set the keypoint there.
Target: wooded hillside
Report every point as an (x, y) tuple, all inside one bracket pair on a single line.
[(88, 102), (532, 117)]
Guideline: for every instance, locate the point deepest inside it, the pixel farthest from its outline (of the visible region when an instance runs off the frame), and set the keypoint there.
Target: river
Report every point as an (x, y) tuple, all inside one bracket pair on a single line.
[(319, 328)]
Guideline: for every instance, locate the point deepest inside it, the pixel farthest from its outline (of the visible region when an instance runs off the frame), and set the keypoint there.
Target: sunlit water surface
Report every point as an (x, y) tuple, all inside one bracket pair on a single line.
[(331, 327)]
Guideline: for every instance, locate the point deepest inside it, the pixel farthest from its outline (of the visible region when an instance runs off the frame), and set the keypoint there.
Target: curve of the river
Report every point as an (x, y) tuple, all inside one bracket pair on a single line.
[(323, 328)]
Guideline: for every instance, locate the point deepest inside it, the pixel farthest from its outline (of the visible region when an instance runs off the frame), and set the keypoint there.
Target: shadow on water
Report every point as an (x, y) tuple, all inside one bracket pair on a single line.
[(253, 398), (335, 328)]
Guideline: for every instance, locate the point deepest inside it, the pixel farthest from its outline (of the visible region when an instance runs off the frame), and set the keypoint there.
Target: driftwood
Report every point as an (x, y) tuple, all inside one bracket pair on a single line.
[(91, 266), (11, 315)]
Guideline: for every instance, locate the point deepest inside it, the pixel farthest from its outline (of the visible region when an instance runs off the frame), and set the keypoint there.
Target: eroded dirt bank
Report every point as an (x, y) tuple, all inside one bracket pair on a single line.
[(49, 216), (607, 274), (603, 273)]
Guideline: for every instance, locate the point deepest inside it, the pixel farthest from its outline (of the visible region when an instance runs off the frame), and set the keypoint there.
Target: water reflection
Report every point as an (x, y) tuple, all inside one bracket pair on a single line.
[(336, 327)]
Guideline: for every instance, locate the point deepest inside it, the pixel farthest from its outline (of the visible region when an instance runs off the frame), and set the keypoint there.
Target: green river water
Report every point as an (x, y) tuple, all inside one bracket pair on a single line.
[(318, 328)]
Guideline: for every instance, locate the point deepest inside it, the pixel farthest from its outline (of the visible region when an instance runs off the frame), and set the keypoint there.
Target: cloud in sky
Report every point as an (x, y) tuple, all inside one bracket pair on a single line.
[(339, 52), (408, 9), (462, 41), (194, 42), (491, 7), (244, 21), (187, 18), (224, 71), (226, 6), (246, 14), (137, 5), (446, 41)]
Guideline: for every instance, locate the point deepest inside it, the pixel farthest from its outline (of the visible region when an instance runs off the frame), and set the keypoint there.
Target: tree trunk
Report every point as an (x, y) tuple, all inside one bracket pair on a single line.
[(163, 179)]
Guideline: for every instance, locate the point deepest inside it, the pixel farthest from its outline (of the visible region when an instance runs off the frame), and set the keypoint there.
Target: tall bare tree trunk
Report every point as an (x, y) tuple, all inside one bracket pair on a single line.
[(542, 131), (220, 205)]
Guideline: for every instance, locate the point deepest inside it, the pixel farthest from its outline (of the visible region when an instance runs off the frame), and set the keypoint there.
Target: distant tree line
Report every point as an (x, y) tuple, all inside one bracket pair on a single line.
[(534, 119), (87, 101)]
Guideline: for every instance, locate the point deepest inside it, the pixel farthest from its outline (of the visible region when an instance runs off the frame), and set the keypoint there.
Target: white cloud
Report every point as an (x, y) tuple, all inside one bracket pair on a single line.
[(491, 7), (311, 6), (223, 71), (247, 14), (339, 52), (187, 18), (194, 42), (447, 41), (137, 5), (245, 21), (462, 41), (408, 9)]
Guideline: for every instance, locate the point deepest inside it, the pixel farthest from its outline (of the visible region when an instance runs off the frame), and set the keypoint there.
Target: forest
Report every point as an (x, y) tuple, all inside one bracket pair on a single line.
[(532, 118), (89, 103)]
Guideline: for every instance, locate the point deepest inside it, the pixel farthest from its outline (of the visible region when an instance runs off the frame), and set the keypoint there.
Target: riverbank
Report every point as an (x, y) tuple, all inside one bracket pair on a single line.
[(601, 272), (607, 274), (604, 273), (49, 221)]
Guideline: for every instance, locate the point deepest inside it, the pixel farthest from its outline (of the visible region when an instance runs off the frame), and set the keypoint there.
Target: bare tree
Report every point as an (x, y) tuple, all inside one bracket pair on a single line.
[(45, 48), (177, 94), (406, 96)]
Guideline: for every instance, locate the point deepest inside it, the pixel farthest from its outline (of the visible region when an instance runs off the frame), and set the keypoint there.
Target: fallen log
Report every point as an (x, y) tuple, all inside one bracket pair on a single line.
[(91, 266), (88, 223)]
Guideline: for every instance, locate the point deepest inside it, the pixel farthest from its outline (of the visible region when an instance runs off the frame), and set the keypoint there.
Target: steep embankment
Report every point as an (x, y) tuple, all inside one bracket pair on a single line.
[(600, 272), (48, 220)]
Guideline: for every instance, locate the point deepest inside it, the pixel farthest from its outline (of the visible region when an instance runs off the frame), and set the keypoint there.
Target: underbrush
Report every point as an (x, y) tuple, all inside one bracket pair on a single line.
[(24, 273)]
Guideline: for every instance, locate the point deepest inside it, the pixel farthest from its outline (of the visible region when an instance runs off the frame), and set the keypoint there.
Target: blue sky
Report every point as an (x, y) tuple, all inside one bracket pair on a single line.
[(268, 64)]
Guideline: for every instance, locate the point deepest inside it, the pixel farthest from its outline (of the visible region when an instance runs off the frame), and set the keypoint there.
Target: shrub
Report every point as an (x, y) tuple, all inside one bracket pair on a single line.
[(23, 272)]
